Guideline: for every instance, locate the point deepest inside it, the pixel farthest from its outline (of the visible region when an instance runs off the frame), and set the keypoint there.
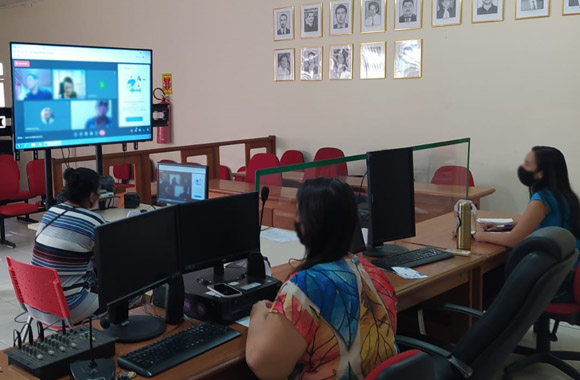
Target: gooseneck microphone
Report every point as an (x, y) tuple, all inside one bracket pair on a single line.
[(256, 269), (264, 196)]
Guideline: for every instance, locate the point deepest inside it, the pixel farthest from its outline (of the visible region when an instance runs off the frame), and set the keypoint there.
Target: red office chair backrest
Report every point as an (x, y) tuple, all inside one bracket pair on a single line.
[(452, 175), (263, 161), (36, 179), (321, 171), (225, 172), (328, 153), (38, 287), (240, 169), (291, 157), (122, 172), (9, 182), (9, 159)]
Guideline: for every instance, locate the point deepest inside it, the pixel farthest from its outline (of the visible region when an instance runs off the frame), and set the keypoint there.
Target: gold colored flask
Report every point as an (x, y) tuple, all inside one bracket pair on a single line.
[(464, 226)]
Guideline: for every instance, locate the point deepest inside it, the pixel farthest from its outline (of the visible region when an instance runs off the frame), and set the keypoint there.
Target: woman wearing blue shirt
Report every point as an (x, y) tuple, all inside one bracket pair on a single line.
[(552, 201)]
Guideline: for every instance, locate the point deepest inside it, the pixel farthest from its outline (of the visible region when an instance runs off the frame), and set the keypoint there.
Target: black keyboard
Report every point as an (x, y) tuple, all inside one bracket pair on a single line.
[(413, 258), (174, 349)]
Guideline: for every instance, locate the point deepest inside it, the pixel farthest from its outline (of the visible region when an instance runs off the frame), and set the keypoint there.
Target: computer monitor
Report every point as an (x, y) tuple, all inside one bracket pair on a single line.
[(391, 199), (203, 243), (67, 96), (181, 183), (134, 255)]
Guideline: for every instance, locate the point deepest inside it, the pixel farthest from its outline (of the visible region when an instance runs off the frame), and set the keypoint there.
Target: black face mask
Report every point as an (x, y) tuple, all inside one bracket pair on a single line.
[(300, 234), (526, 177)]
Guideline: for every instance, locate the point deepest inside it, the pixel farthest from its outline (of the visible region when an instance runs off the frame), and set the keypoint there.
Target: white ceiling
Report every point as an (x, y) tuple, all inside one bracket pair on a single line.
[(13, 3)]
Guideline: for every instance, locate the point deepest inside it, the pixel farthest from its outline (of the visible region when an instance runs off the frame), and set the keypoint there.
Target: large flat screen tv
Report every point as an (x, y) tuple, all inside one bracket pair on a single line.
[(67, 96)]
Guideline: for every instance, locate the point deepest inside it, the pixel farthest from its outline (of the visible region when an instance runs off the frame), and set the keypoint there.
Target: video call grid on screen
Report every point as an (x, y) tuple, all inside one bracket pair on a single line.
[(67, 96), (181, 183)]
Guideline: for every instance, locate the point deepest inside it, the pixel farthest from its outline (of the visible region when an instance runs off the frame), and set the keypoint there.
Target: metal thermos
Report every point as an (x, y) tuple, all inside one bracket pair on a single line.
[(464, 226)]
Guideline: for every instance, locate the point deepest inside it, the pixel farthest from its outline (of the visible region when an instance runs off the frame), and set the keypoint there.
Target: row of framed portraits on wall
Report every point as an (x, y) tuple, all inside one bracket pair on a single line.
[(408, 15), (407, 63)]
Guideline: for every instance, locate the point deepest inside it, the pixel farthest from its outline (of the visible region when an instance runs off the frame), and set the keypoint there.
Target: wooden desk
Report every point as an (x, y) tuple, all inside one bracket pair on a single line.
[(465, 273), (430, 200)]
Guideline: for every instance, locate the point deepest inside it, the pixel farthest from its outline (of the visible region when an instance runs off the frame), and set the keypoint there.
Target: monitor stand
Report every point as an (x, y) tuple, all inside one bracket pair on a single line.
[(385, 250), (130, 329)]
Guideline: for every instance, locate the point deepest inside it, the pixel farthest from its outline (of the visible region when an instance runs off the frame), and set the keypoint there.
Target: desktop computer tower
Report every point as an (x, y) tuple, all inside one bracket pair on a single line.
[(200, 303)]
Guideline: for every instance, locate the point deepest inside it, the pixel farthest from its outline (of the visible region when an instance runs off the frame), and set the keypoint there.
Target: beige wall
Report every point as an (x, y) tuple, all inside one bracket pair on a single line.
[(507, 85)]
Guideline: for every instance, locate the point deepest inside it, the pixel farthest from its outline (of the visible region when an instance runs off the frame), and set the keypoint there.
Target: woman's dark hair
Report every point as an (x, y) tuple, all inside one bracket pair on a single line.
[(61, 87), (327, 213), (80, 184), (555, 178)]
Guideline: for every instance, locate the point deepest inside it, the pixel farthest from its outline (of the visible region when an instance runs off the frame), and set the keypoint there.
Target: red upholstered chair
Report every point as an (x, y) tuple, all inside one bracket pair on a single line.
[(452, 175), (21, 195), (240, 169), (124, 173), (328, 153), (263, 161), (560, 312), (321, 171), (291, 157), (9, 187), (225, 172), (39, 288), (36, 178), (408, 365)]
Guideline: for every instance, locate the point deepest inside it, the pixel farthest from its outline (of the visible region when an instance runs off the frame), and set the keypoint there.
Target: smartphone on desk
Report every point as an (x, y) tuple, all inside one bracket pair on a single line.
[(225, 290)]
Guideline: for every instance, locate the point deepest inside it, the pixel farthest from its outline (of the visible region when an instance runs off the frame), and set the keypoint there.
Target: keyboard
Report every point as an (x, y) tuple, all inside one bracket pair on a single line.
[(174, 349), (413, 258)]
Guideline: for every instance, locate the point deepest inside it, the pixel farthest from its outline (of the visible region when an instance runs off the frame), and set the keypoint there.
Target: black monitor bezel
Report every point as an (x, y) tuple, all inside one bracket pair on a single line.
[(77, 145), (374, 241), (100, 267), (189, 165), (192, 267)]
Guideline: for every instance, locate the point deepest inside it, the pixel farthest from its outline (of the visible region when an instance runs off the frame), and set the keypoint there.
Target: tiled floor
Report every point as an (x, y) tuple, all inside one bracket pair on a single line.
[(569, 336)]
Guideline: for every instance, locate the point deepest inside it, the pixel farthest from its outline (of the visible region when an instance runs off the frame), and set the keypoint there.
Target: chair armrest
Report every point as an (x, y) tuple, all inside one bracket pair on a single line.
[(462, 309), (431, 349), (454, 308)]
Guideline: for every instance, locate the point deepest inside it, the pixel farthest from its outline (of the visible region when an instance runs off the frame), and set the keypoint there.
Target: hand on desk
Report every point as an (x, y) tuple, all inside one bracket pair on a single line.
[(494, 227)]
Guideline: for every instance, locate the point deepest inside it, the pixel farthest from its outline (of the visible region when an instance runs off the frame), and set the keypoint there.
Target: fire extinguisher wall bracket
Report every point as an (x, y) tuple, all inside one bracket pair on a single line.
[(162, 117)]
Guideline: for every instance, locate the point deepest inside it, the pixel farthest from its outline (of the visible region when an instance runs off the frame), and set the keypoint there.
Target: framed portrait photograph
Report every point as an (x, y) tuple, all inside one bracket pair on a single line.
[(284, 24), (340, 66), (311, 63), (372, 60), (408, 14), (283, 65), (532, 9), (446, 12), (341, 17), (311, 15), (408, 59), (571, 7), (486, 10), (373, 15)]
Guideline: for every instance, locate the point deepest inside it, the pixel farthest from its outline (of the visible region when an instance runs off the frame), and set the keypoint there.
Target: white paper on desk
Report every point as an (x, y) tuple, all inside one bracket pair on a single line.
[(495, 220), (244, 321), (408, 273), (278, 235)]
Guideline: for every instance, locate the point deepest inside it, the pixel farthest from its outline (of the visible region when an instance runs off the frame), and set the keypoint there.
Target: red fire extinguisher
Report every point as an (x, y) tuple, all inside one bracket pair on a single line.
[(162, 117)]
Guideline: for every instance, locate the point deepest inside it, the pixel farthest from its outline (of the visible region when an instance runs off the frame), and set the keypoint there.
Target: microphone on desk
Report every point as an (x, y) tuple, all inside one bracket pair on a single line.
[(93, 368), (264, 196), (256, 266)]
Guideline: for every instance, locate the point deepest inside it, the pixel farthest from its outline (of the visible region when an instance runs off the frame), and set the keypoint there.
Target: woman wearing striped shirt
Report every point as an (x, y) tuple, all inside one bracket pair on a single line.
[(65, 242)]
